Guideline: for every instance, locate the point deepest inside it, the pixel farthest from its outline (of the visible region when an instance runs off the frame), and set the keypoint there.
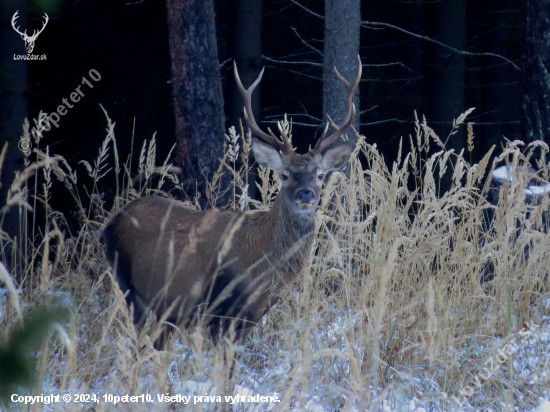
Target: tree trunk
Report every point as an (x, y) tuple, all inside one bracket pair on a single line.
[(14, 101), (535, 70), (245, 47), (446, 81), (342, 26), (197, 91), (500, 94)]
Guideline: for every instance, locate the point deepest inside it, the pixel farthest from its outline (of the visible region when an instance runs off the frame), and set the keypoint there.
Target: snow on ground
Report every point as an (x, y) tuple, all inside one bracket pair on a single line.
[(527, 356), (524, 350), (509, 173), (543, 407), (503, 173)]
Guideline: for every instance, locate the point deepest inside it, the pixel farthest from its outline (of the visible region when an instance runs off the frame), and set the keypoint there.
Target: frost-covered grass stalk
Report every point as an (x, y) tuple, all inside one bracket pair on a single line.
[(391, 307)]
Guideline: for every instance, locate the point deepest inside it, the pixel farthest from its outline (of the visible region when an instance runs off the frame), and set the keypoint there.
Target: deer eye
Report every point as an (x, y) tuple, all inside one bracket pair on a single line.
[(284, 176), (321, 176)]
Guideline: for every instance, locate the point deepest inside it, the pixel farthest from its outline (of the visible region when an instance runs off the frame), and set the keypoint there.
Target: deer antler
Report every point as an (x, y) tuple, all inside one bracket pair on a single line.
[(285, 145), (13, 19), (35, 32), (324, 141)]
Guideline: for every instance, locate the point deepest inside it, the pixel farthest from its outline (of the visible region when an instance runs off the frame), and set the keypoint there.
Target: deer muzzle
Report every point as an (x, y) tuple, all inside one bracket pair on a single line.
[(305, 199)]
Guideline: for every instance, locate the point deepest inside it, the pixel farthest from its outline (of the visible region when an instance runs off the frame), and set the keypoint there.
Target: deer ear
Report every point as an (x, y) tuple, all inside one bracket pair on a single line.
[(267, 155), (337, 156)]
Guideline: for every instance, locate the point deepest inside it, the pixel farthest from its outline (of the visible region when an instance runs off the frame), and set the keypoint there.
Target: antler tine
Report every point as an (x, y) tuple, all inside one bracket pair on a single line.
[(324, 141), (35, 33), (270, 138), (324, 133), (13, 23)]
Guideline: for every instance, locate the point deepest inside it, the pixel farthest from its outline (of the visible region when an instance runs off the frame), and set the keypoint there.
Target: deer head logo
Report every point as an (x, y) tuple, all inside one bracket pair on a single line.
[(29, 40)]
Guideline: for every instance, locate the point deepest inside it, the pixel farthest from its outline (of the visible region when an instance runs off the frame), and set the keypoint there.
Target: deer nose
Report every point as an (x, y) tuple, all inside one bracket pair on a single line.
[(305, 195)]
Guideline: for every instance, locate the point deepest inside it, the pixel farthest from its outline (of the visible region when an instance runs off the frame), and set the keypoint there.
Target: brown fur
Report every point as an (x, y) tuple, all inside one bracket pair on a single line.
[(258, 253)]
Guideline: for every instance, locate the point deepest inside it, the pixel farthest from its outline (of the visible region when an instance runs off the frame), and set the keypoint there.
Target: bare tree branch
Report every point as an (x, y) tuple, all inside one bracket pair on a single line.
[(408, 79), (225, 62), (383, 121), (295, 72), (279, 117), (305, 43), (370, 109), (269, 59), (387, 65), (306, 9), (368, 24)]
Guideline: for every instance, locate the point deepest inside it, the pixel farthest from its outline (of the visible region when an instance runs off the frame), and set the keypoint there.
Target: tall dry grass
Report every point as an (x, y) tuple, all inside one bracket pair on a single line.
[(391, 308)]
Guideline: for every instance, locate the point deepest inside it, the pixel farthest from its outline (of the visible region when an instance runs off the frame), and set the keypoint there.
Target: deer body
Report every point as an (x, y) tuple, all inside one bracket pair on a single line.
[(228, 266), (258, 253)]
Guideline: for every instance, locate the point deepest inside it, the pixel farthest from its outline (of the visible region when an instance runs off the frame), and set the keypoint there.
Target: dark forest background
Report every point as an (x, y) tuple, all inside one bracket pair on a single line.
[(404, 70)]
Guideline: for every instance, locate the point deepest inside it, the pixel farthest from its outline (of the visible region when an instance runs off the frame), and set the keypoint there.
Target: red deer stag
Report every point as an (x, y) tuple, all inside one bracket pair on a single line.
[(224, 266)]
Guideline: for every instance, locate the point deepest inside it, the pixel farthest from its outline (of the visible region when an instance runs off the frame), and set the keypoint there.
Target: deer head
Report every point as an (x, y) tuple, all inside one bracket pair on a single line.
[(302, 175), (29, 40)]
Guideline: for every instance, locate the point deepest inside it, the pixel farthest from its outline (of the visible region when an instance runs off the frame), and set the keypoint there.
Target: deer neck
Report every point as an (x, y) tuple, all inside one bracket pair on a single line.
[(291, 240), (283, 241), (291, 226)]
